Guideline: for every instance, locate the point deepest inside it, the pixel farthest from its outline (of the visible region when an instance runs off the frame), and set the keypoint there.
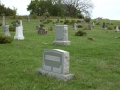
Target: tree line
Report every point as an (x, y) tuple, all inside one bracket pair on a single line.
[(72, 8), (6, 11)]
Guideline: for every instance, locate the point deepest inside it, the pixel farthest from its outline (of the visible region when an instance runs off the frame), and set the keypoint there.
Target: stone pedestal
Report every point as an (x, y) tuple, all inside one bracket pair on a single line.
[(61, 35), (55, 63)]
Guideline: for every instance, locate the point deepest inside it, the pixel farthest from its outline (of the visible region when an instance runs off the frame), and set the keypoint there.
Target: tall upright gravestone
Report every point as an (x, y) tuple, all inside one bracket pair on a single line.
[(3, 23), (19, 32), (7, 33), (61, 35), (55, 63)]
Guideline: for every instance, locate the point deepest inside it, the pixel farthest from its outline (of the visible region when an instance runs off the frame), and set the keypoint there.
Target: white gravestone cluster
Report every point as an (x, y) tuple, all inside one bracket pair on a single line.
[(55, 63), (61, 35), (19, 32)]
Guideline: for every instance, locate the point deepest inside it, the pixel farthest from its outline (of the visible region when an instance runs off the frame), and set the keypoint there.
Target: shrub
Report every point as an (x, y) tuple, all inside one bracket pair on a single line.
[(0, 24), (41, 26), (110, 28), (5, 39), (61, 21), (97, 23), (50, 29), (80, 26), (12, 28), (86, 28), (87, 19), (67, 22), (34, 16), (80, 33)]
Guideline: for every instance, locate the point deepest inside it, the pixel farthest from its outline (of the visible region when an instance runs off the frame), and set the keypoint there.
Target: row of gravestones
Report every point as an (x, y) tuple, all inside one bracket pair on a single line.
[(19, 30)]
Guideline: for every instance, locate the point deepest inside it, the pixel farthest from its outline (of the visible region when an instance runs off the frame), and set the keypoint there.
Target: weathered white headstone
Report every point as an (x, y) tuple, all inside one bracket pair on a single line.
[(7, 33), (61, 35), (75, 26), (19, 32), (117, 29), (55, 63)]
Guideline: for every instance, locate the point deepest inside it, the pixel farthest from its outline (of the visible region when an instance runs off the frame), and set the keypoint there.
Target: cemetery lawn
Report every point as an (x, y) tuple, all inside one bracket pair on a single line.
[(95, 64)]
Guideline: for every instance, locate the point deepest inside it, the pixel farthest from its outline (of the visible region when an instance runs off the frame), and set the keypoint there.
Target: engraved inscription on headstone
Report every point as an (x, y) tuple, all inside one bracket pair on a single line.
[(55, 63)]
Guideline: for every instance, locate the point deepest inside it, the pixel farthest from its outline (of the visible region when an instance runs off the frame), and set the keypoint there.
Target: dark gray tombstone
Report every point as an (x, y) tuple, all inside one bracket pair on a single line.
[(104, 25), (90, 26), (46, 18), (55, 63), (42, 31), (58, 20)]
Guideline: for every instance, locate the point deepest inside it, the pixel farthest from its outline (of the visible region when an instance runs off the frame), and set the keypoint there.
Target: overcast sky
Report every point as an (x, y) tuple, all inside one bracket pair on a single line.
[(103, 8)]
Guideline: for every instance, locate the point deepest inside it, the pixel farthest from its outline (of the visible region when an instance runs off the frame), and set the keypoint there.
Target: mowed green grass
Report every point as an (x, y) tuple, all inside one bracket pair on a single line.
[(95, 64)]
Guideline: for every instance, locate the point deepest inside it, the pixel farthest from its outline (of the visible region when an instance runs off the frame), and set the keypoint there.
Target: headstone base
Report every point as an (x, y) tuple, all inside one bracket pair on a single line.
[(64, 43), (64, 77), (19, 38)]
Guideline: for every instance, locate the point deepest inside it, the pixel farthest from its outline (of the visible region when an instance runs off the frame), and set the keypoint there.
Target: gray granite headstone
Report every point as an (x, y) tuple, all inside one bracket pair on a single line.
[(7, 33), (55, 63), (3, 23), (58, 20), (93, 24), (28, 19), (90, 26), (38, 26), (61, 35)]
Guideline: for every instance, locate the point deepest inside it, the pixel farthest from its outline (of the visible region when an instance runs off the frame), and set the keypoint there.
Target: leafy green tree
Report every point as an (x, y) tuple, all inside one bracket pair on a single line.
[(6, 11)]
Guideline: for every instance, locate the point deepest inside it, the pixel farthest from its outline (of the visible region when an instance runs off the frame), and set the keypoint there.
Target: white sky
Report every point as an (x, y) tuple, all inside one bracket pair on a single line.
[(103, 8)]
